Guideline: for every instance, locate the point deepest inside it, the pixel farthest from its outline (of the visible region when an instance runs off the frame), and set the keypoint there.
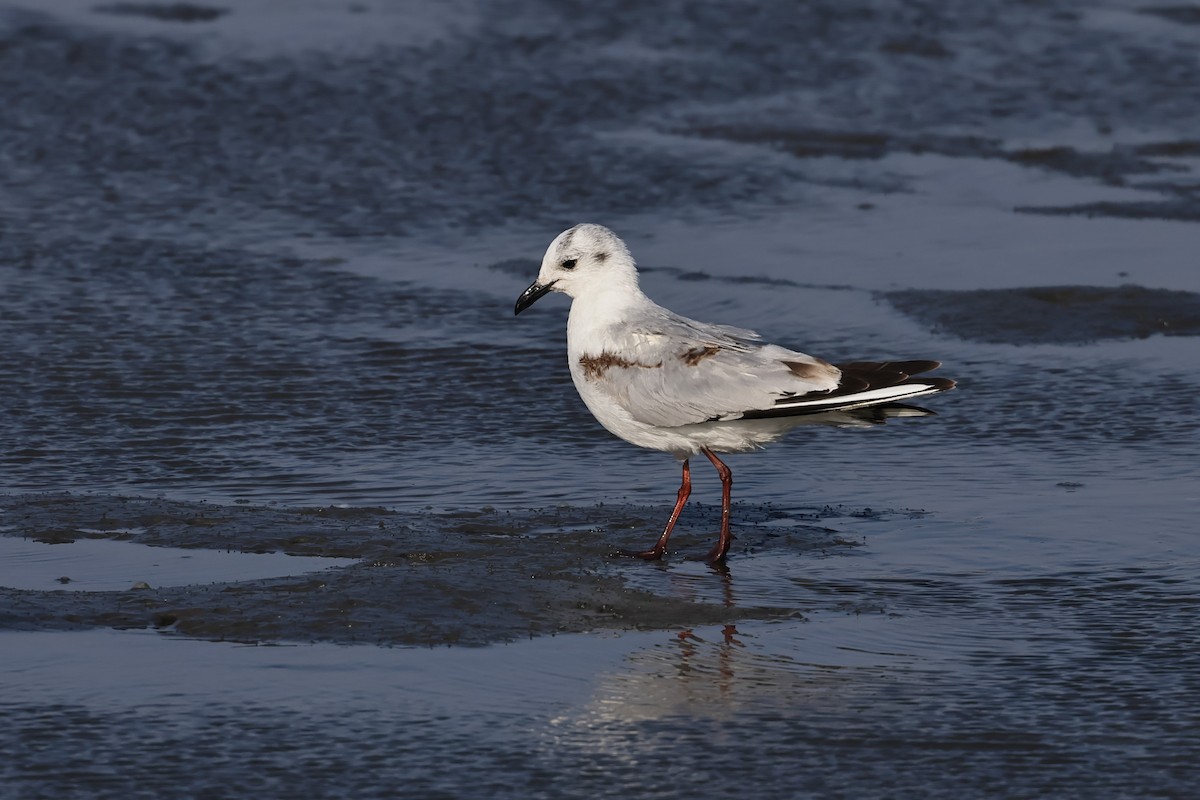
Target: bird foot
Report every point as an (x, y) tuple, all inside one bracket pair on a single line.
[(653, 554)]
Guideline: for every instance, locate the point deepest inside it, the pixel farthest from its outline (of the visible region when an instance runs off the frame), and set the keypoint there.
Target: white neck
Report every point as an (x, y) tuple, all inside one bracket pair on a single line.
[(595, 315)]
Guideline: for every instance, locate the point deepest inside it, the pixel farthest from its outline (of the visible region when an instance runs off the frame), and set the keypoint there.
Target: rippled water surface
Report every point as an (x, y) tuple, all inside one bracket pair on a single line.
[(257, 268)]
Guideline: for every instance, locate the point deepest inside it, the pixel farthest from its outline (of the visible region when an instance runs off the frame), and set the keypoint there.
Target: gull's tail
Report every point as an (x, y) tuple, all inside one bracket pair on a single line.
[(863, 384)]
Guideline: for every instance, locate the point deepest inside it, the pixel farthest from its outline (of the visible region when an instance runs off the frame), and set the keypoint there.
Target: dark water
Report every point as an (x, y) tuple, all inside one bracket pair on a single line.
[(257, 265)]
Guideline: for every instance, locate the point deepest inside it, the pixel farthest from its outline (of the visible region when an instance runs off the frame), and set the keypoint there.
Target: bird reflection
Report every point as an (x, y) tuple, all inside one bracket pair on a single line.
[(693, 657)]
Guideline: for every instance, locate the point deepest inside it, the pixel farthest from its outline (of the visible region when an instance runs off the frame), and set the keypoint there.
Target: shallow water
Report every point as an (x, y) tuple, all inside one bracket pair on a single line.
[(256, 277), (100, 565)]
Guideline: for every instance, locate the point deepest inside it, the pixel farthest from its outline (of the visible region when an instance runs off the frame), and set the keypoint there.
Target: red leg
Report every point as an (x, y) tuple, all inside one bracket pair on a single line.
[(717, 554), (660, 547)]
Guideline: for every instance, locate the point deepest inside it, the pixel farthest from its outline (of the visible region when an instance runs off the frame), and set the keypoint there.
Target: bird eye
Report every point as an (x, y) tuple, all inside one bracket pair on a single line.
[(569, 263)]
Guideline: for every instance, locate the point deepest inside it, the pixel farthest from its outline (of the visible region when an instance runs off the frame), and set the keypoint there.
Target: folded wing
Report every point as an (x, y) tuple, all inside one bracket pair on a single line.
[(682, 372)]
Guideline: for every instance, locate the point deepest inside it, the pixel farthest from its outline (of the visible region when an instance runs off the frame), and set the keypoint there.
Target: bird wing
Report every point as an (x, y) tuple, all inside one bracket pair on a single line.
[(670, 371)]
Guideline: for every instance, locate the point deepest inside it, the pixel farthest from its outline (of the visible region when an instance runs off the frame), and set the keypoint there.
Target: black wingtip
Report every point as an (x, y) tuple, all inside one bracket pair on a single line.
[(877, 374)]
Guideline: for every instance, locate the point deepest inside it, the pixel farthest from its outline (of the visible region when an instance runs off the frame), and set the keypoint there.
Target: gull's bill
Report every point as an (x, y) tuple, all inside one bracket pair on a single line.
[(531, 295)]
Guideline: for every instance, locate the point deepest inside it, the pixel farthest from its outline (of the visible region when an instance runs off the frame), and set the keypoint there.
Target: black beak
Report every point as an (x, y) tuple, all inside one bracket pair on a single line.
[(531, 295)]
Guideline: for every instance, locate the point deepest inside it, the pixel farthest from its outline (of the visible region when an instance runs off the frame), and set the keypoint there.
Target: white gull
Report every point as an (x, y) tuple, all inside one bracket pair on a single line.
[(665, 382)]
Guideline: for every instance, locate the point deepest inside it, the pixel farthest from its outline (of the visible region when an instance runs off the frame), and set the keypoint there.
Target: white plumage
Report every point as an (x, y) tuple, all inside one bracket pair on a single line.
[(665, 382)]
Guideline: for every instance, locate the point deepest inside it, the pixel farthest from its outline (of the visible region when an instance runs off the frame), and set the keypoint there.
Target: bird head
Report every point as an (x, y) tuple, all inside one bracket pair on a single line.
[(585, 259)]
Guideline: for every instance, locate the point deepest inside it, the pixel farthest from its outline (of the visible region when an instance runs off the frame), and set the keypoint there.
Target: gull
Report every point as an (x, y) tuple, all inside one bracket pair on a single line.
[(665, 382)]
